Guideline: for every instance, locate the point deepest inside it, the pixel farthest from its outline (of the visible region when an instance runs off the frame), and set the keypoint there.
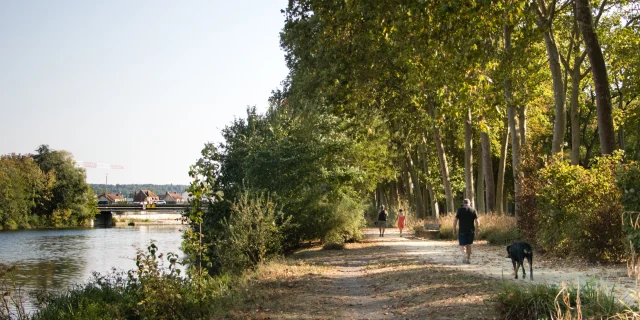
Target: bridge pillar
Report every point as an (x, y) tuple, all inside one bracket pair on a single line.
[(103, 219)]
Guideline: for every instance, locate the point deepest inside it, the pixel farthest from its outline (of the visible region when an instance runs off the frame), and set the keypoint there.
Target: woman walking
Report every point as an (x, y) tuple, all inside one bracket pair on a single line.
[(401, 221)]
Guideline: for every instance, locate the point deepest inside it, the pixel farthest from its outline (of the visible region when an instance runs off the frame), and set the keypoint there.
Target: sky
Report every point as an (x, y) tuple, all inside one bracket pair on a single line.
[(143, 84)]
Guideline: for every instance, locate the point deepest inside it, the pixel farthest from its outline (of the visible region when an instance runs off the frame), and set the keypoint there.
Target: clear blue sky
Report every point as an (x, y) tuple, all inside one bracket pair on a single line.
[(139, 83)]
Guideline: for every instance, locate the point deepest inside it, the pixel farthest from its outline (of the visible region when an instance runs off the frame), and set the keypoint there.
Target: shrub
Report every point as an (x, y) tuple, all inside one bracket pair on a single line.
[(152, 291), (253, 231), (543, 301), (628, 180), (571, 210)]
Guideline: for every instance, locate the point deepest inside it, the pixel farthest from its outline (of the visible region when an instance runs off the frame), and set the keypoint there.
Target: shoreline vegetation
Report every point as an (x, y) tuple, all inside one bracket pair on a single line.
[(44, 190)]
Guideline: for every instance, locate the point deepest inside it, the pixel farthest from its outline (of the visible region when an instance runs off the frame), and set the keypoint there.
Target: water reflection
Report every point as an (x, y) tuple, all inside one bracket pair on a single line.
[(57, 259)]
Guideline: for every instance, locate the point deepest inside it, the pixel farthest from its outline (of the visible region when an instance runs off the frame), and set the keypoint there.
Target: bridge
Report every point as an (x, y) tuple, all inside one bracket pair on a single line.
[(131, 214), (141, 207)]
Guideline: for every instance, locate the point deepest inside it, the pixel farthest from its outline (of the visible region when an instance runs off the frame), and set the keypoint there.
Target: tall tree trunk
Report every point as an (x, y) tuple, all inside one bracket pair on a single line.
[(522, 123), (512, 117), (575, 111), (435, 210), (501, 170), (417, 191), (490, 187), (407, 186), (599, 73), (394, 194), (425, 197), (480, 197), (374, 201), (560, 123), (442, 158), (468, 158)]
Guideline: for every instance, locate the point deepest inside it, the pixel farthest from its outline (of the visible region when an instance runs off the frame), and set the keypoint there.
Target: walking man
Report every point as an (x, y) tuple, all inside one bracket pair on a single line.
[(469, 225), (382, 220)]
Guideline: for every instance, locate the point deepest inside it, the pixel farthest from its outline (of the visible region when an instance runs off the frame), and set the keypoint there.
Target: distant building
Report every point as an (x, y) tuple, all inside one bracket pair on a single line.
[(173, 198), (186, 196), (146, 196), (112, 197)]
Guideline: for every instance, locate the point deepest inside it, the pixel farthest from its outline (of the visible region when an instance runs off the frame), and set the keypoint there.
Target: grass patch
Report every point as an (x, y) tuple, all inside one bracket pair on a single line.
[(542, 301)]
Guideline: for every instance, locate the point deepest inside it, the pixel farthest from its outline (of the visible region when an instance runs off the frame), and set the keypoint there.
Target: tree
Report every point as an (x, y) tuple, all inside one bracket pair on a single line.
[(72, 200), (600, 77)]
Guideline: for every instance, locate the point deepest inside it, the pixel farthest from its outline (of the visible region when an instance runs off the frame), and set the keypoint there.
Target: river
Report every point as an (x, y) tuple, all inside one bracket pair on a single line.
[(58, 259)]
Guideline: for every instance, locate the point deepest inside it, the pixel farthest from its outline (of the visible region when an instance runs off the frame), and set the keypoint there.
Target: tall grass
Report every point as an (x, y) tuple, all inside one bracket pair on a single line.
[(542, 301), (496, 228)]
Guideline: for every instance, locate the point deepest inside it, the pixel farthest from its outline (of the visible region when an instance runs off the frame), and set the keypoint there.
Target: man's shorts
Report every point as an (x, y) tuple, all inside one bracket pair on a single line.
[(465, 238), (382, 224)]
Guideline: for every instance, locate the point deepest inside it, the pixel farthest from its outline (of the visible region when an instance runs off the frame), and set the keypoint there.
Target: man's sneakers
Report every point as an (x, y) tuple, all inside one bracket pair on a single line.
[(465, 260)]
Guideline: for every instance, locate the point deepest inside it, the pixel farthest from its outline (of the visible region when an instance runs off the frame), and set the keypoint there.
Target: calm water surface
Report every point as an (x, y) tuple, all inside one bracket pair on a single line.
[(57, 259)]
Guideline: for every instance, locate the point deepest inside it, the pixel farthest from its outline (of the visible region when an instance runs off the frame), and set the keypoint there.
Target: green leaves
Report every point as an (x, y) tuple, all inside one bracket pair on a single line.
[(43, 190)]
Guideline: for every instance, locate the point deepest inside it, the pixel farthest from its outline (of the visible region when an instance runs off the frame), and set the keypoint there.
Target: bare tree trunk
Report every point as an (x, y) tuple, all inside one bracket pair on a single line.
[(575, 113), (560, 123), (490, 187), (522, 122), (468, 158), (501, 170), (442, 159), (407, 185), (435, 210), (480, 205), (512, 117), (599, 73), (394, 194), (417, 191)]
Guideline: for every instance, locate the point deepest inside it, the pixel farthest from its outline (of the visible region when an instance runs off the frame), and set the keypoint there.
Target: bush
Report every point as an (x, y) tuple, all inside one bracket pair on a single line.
[(152, 291), (570, 210), (628, 180), (543, 301), (253, 232)]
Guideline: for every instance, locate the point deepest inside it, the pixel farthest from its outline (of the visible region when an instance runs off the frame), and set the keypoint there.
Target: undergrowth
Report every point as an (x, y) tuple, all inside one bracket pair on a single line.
[(543, 301), (497, 229)]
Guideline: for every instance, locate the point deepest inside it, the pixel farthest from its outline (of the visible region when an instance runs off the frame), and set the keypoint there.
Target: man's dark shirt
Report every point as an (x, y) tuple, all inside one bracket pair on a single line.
[(382, 216), (465, 216)]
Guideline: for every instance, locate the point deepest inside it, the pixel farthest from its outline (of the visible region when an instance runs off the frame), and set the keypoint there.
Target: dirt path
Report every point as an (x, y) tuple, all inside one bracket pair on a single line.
[(402, 278), (490, 261)]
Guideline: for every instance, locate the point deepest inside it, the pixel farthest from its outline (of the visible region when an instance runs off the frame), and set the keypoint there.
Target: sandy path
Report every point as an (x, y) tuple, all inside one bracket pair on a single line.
[(490, 261)]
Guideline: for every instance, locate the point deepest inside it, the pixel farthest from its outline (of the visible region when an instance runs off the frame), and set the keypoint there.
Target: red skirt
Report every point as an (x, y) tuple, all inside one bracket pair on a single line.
[(401, 222)]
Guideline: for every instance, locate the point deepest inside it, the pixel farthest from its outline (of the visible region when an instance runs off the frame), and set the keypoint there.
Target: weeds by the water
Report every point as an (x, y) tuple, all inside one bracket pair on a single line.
[(11, 299)]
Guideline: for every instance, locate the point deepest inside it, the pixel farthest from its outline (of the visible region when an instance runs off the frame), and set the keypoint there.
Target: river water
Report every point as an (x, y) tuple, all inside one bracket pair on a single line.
[(58, 259)]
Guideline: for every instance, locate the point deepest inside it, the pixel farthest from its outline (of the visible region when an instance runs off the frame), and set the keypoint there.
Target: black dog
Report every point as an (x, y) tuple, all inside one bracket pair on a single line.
[(517, 251)]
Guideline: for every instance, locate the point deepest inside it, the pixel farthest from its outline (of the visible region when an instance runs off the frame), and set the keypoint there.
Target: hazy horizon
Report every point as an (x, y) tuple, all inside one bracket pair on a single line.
[(141, 84)]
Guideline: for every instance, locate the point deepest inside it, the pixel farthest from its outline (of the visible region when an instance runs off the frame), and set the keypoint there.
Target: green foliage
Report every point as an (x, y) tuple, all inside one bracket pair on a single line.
[(543, 301), (196, 244), (43, 190), (315, 168), (578, 210), (253, 232), (629, 182), (152, 291)]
